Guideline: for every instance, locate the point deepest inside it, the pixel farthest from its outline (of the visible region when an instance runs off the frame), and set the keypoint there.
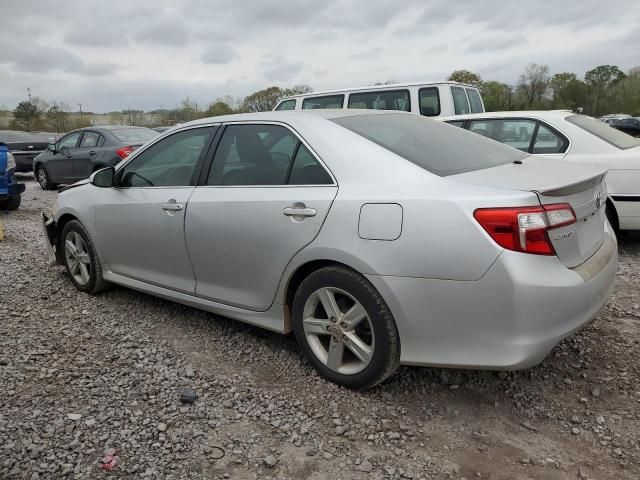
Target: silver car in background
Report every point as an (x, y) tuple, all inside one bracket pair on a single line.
[(378, 238)]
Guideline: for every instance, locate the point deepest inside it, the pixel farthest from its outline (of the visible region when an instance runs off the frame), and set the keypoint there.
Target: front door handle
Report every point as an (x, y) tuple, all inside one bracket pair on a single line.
[(172, 206), (92, 152), (299, 211)]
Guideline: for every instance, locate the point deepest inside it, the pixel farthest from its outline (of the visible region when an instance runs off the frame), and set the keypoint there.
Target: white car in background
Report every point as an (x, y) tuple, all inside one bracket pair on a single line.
[(567, 136)]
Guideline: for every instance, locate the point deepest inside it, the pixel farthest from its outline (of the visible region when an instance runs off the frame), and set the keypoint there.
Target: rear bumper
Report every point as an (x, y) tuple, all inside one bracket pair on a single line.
[(9, 187), (24, 160), (509, 319)]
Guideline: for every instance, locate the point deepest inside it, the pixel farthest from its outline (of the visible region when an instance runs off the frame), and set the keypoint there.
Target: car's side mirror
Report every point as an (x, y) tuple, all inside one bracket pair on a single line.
[(52, 147), (103, 178)]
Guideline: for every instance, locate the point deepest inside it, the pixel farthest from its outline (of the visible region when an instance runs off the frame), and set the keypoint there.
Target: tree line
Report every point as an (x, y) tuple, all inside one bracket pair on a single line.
[(602, 90)]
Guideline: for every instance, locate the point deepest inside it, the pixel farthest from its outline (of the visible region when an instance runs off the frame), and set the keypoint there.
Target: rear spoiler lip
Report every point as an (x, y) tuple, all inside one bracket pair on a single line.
[(575, 187)]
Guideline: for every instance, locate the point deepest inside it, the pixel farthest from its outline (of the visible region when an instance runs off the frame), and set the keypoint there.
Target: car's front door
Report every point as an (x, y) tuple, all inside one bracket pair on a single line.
[(60, 164), (140, 221), (265, 198), (87, 155)]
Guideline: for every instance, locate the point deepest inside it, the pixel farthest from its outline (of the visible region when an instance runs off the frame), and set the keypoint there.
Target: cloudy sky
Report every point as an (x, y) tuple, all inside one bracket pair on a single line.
[(114, 54)]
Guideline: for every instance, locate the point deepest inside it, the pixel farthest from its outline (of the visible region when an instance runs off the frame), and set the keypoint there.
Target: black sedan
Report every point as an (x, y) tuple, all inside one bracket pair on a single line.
[(628, 125), (24, 146), (81, 152)]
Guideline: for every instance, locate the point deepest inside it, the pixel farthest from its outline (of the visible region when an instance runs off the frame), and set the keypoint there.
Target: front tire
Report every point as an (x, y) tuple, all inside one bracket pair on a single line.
[(42, 176), (345, 328), (81, 259)]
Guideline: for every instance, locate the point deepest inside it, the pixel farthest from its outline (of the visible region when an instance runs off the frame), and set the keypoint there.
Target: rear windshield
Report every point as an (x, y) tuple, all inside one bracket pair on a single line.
[(604, 132), (134, 135), (437, 147)]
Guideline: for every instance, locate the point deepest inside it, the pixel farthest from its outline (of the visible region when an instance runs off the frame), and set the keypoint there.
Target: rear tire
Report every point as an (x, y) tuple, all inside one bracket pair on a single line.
[(42, 176), (81, 258), (354, 341)]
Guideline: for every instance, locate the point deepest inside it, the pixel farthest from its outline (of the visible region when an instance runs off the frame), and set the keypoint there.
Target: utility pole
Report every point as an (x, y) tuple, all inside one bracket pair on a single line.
[(80, 105), (161, 115), (29, 93)]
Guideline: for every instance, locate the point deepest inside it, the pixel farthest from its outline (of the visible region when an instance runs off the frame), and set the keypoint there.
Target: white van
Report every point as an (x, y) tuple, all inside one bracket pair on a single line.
[(431, 99)]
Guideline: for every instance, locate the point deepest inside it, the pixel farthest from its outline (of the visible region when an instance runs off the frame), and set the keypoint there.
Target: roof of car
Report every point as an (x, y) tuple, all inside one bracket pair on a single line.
[(390, 86), (512, 114), (286, 116)]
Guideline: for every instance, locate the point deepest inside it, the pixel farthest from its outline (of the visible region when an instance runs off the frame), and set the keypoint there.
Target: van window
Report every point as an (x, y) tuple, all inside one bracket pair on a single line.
[(330, 101), (287, 105), (429, 101), (460, 101), (381, 100), (475, 100)]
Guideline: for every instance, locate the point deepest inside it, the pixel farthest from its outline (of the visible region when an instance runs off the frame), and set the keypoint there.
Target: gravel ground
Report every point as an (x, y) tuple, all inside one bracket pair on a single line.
[(84, 379)]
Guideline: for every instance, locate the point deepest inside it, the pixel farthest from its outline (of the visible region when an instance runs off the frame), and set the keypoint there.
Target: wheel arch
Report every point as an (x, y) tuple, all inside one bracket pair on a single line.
[(616, 218)]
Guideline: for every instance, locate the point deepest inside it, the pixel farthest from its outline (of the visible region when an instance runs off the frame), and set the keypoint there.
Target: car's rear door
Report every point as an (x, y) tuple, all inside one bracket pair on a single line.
[(264, 198), (140, 222)]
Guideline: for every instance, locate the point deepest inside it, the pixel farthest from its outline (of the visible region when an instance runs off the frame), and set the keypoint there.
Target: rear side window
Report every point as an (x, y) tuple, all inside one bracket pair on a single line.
[(515, 133), (329, 101), (460, 102), (604, 132), (89, 139), (475, 100), (379, 100), (431, 145), (287, 105), (548, 142), (429, 101)]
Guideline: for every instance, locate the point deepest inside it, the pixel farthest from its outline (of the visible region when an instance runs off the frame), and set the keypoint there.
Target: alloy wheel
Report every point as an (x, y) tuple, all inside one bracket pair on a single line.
[(338, 330), (77, 258), (42, 178)]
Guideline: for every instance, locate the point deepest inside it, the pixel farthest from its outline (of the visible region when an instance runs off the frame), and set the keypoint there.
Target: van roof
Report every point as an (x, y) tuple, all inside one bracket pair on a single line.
[(376, 87)]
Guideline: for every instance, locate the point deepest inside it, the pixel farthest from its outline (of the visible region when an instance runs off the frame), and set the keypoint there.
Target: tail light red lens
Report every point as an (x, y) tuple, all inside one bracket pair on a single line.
[(525, 229), (124, 152)]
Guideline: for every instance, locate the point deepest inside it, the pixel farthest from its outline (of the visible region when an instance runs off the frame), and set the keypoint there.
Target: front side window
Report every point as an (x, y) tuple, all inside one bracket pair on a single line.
[(515, 133), (460, 103), (287, 105), (429, 101), (378, 100), (329, 101), (432, 146), (548, 142), (475, 100), (70, 141), (171, 162), (89, 139), (254, 155)]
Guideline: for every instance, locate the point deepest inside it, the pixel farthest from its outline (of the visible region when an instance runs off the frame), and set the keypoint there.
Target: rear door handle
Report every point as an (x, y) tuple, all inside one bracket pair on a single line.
[(299, 212), (172, 206), (92, 152)]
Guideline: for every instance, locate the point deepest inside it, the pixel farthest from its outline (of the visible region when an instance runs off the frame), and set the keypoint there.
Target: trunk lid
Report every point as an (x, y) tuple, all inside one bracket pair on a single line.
[(554, 181)]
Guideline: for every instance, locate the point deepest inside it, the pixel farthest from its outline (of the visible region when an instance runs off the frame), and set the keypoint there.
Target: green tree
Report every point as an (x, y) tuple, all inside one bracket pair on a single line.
[(26, 115), (218, 108), (263, 100), (497, 96), (600, 79), (297, 90), (466, 76), (533, 84), (557, 83), (58, 117)]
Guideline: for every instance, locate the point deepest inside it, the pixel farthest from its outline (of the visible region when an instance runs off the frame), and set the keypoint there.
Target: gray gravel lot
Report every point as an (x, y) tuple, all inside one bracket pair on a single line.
[(82, 374)]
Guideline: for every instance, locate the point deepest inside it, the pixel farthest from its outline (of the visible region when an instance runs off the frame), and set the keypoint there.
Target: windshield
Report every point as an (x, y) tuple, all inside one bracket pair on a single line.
[(134, 135), (604, 132), (437, 147)]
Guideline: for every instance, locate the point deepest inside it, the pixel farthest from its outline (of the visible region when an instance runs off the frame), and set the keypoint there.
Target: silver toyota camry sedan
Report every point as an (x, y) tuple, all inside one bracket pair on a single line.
[(378, 238)]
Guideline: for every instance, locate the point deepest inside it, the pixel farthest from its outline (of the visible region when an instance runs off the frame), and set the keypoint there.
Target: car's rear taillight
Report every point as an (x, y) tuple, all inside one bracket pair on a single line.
[(124, 152), (524, 229)]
